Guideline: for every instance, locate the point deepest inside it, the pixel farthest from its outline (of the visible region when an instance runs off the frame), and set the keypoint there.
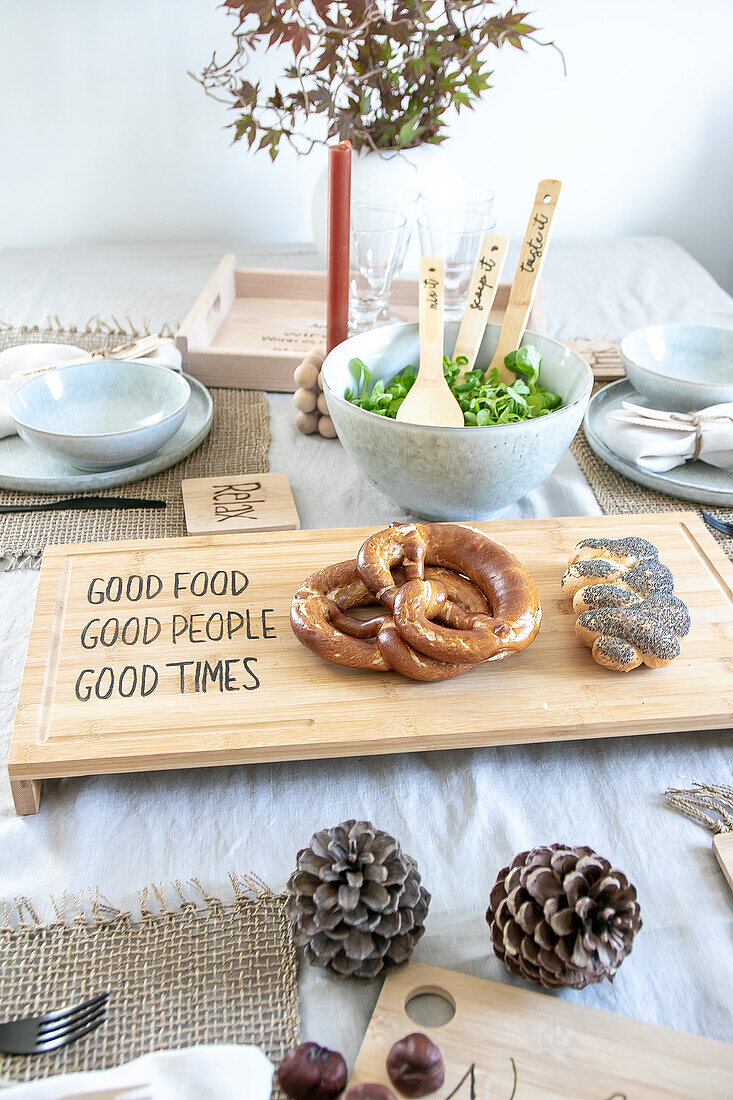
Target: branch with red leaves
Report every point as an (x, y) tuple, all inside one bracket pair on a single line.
[(383, 74)]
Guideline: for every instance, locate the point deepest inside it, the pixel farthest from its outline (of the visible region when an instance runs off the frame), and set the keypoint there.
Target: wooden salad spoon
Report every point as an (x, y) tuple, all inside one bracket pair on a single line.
[(481, 294), (430, 400), (532, 255)]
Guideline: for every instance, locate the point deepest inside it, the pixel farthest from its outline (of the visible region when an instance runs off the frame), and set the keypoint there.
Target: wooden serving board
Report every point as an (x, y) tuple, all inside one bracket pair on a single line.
[(531, 1046), (178, 695), (250, 327)]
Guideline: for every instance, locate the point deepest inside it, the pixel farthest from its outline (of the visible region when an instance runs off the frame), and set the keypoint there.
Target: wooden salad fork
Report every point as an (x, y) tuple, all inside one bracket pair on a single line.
[(481, 294), (532, 255), (40, 1034), (430, 400)]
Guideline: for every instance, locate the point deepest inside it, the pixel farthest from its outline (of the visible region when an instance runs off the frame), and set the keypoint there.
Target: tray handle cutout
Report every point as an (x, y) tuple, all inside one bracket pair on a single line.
[(430, 1006)]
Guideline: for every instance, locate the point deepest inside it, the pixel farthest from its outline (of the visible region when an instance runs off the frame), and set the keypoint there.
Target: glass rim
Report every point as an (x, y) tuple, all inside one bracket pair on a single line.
[(386, 204), (425, 196), (400, 223), (488, 227)]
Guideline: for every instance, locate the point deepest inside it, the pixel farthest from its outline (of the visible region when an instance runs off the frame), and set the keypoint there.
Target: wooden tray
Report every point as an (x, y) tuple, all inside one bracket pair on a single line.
[(251, 327), (530, 1046), (285, 703)]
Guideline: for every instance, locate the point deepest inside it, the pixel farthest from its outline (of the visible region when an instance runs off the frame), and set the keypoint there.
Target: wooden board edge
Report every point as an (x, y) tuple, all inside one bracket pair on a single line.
[(64, 549), (723, 848), (709, 551), (234, 369), (422, 974), (24, 766), (219, 285)]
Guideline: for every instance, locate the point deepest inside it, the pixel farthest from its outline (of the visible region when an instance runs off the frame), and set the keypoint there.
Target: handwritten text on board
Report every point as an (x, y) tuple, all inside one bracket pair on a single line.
[(107, 631)]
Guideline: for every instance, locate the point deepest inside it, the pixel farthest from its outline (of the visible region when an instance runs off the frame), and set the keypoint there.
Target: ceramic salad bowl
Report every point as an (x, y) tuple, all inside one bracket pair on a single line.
[(454, 473), (103, 414), (679, 367)]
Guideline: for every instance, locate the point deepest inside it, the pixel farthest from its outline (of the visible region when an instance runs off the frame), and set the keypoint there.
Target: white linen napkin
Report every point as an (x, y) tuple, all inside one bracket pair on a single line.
[(657, 441), (197, 1073)]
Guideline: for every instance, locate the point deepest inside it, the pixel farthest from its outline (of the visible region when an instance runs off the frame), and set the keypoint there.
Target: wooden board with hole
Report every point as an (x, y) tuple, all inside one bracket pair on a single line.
[(175, 653), (524, 1045), (250, 327)]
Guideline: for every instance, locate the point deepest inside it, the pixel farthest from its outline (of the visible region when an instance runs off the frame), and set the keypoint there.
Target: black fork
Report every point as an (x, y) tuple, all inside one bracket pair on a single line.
[(39, 1034)]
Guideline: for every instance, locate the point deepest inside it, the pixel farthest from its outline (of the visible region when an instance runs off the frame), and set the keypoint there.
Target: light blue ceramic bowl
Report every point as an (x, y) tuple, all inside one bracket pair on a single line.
[(454, 473), (680, 367), (101, 415)]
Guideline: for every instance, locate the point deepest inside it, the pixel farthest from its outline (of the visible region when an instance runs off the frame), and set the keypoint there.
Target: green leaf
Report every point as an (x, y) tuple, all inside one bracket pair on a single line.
[(407, 131)]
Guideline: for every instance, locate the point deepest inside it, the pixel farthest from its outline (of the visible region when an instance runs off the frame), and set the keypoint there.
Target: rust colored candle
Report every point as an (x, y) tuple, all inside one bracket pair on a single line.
[(339, 227)]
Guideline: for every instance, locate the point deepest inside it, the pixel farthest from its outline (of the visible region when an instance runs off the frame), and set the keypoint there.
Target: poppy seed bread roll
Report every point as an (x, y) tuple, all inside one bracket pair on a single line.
[(628, 614)]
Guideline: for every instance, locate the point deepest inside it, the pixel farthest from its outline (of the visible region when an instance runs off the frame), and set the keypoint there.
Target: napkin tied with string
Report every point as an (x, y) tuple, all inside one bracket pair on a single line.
[(658, 441)]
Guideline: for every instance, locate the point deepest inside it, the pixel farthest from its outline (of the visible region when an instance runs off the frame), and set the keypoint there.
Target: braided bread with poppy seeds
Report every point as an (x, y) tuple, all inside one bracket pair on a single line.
[(629, 614)]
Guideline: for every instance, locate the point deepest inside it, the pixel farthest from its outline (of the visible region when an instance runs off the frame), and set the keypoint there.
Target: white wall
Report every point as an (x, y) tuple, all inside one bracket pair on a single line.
[(104, 137)]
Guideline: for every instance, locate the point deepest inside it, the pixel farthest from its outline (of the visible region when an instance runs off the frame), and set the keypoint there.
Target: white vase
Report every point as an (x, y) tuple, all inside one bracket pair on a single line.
[(414, 169)]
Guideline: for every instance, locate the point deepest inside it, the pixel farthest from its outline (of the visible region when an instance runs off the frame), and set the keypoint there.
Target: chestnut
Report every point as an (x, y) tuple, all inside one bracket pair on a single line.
[(369, 1092), (415, 1065), (312, 1072)]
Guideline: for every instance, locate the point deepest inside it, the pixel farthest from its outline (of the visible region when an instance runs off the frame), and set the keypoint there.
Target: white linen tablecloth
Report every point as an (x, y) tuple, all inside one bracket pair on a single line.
[(463, 815)]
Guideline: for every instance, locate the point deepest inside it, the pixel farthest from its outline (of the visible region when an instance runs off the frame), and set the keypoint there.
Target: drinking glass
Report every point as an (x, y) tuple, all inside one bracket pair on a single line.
[(473, 200), (401, 200), (377, 244), (455, 235)]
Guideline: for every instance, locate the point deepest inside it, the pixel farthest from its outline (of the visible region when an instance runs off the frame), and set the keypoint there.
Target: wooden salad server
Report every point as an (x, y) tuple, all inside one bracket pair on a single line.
[(430, 400), (532, 255), (481, 294)]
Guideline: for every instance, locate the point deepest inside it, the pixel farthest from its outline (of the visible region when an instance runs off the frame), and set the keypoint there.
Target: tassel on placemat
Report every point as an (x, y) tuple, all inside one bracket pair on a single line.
[(701, 802)]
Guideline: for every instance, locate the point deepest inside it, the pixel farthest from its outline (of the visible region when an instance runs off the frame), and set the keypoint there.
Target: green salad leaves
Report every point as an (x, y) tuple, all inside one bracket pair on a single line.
[(484, 398)]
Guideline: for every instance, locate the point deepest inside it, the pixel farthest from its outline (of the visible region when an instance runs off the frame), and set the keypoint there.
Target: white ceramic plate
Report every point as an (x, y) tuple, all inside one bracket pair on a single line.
[(30, 470), (695, 481)]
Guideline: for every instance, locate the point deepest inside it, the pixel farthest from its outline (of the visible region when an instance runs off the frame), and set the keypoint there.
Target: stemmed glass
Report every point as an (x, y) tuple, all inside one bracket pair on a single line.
[(400, 200), (378, 244)]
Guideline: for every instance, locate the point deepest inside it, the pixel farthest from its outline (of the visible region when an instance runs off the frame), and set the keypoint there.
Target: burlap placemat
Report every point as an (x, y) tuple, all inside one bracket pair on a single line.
[(613, 491), (201, 971), (237, 444)]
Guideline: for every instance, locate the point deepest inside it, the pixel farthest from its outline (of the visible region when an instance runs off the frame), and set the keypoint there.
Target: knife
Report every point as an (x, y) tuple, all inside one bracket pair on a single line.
[(83, 504)]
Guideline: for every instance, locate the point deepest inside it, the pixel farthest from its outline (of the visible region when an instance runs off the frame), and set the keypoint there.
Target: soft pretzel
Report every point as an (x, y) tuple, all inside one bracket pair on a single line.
[(320, 619), (628, 613), (324, 597), (450, 598), (509, 588)]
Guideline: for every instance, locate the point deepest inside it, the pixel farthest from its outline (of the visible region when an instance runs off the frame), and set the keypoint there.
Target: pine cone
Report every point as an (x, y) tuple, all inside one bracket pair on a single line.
[(562, 916), (355, 901)]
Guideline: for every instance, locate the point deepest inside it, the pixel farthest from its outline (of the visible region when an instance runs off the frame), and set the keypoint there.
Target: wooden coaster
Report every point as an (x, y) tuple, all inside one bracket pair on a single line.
[(245, 502)]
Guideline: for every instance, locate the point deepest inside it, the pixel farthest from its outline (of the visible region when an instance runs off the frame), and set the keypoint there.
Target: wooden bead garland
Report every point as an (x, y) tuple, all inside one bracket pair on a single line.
[(309, 399)]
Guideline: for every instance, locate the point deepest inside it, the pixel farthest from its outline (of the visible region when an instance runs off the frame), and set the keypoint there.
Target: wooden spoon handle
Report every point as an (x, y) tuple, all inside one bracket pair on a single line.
[(481, 294), (430, 317), (531, 261)]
